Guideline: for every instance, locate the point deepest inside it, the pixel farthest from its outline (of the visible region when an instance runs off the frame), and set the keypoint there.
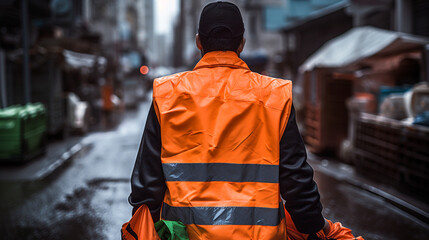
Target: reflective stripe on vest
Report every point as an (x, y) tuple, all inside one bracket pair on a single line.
[(210, 172), (224, 215), (225, 172)]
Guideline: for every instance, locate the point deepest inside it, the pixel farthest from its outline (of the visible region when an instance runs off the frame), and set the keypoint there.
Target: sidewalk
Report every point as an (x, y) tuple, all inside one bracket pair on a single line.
[(347, 173), (58, 153)]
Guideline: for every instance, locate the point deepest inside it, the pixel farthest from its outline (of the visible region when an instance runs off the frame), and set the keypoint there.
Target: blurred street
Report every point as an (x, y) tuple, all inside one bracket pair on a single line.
[(87, 198), (76, 78)]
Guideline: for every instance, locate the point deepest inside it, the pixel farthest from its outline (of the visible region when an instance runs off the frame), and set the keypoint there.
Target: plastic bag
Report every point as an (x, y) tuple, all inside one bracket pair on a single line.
[(337, 231), (140, 226), (171, 230)]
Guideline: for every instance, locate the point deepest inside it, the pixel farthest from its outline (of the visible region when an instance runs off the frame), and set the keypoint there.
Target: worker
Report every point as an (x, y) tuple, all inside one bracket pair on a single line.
[(107, 106), (221, 147)]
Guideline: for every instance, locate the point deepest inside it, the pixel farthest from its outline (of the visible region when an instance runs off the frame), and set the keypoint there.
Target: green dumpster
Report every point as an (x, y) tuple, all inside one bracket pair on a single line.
[(22, 132)]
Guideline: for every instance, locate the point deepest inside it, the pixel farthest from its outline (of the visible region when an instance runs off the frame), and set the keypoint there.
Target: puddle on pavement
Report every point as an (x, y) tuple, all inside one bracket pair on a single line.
[(366, 214), (82, 214)]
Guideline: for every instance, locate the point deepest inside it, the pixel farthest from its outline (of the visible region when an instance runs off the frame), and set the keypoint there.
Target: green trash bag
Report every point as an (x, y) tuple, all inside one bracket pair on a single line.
[(171, 230)]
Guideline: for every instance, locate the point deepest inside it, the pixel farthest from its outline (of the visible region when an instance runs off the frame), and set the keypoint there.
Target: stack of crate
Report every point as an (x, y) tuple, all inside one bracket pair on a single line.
[(415, 154), (326, 113), (392, 152)]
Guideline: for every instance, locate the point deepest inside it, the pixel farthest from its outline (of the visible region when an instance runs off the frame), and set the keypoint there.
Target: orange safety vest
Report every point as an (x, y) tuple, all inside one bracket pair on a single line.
[(221, 127)]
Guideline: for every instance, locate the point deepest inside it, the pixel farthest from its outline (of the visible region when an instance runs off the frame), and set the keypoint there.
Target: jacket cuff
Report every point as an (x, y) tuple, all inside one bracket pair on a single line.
[(310, 225)]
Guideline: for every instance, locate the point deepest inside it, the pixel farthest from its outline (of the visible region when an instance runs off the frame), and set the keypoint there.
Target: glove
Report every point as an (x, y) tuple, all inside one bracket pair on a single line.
[(320, 235), (334, 231)]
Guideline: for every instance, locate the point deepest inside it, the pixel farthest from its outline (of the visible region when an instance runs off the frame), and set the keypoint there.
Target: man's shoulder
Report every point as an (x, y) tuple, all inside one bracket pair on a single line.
[(171, 77), (274, 92), (272, 83), (163, 86)]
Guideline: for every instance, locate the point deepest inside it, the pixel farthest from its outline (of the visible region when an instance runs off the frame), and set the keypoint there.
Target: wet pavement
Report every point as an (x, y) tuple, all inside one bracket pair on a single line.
[(57, 153), (87, 199), (366, 214)]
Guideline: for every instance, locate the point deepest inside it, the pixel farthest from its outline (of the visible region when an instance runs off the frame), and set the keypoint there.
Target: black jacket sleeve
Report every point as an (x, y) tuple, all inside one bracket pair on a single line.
[(297, 186), (147, 180)]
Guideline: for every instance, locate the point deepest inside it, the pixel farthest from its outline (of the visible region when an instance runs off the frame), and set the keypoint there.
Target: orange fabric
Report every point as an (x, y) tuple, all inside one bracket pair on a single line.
[(238, 193), (197, 137), (221, 112), (141, 224), (222, 232), (337, 231), (292, 232)]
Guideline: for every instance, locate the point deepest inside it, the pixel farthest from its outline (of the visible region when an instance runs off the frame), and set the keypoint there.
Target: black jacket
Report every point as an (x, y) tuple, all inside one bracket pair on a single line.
[(296, 176)]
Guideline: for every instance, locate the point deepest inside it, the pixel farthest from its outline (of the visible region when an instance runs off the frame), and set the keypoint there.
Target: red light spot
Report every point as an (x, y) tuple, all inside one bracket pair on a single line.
[(144, 70)]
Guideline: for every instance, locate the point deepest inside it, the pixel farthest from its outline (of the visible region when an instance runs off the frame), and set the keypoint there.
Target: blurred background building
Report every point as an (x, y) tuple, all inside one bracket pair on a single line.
[(283, 33), (74, 47), (360, 71)]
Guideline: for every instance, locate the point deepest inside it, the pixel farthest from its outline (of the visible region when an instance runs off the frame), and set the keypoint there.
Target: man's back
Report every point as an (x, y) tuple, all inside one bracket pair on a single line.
[(221, 125), (221, 145), (219, 111)]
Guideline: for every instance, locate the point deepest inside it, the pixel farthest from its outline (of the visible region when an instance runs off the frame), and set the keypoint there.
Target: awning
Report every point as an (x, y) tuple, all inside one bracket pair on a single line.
[(82, 60), (360, 43)]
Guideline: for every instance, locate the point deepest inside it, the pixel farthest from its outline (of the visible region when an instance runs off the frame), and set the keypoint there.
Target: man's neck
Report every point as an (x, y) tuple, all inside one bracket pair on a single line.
[(203, 52)]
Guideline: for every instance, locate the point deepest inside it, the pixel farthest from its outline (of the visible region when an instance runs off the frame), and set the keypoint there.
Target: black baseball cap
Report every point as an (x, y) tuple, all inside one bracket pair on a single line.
[(221, 20)]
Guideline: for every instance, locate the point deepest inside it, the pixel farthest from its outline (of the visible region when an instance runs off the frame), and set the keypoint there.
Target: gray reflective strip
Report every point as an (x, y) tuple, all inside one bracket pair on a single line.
[(227, 172), (224, 215)]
